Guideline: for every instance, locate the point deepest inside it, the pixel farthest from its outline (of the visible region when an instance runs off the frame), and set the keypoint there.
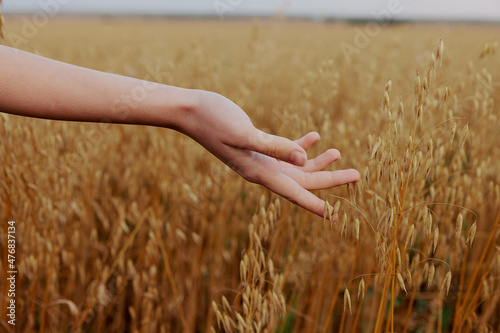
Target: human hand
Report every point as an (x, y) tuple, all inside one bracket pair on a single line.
[(275, 162), (81, 94)]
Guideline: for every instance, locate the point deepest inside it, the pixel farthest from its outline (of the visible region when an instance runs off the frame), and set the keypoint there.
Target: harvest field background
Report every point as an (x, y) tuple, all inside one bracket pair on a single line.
[(139, 229)]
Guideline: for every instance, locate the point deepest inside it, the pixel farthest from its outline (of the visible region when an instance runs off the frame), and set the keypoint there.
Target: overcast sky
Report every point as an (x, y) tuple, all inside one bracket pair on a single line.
[(394, 9)]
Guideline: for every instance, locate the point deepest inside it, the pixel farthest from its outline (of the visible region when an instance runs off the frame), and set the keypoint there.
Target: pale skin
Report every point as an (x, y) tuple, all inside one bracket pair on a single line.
[(34, 86)]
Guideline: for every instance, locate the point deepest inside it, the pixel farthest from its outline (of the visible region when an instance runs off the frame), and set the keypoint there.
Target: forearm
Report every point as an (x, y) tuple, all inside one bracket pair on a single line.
[(34, 86)]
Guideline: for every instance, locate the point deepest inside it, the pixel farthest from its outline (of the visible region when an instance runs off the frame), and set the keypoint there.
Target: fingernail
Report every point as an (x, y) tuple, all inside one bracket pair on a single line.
[(298, 158)]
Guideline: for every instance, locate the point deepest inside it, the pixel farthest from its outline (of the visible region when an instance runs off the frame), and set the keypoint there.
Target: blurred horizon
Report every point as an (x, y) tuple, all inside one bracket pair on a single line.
[(320, 10)]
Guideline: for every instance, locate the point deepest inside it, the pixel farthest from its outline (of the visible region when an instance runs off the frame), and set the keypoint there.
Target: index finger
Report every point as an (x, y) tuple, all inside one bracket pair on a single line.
[(277, 147)]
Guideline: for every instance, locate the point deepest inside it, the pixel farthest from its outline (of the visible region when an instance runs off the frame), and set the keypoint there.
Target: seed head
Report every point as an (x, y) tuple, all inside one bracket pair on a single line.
[(356, 229), (398, 256), (347, 300), (410, 236), (417, 84), (436, 239), (420, 111), (326, 211), (439, 53), (401, 282), (430, 148), (336, 208), (387, 101), (388, 86), (408, 277), (361, 289), (430, 275), (460, 219), (225, 304), (401, 110), (472, 234), (270, 265), (453, 131), (241, 323), (375, 148), (344, 225), (446, 282), (465, 132)]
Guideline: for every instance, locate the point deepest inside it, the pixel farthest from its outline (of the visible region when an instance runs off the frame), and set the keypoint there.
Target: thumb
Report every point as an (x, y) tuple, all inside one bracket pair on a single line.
[(278, 147)]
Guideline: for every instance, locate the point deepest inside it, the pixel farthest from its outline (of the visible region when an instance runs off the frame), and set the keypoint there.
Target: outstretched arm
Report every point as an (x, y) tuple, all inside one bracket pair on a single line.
[(34, 86)]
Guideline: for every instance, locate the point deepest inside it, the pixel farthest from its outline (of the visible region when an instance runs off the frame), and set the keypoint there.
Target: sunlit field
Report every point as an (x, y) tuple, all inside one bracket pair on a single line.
[(139, 229)]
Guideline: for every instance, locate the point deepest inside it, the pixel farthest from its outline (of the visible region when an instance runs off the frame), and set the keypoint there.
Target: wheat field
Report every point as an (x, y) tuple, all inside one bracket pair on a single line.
[(138, 229)]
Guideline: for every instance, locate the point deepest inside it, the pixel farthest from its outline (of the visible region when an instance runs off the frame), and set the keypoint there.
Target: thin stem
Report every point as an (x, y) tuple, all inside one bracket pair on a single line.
[(461, 310), (408, 312), (170, 275), (358, 314), (334, 299), (380, 307), (461, 283)]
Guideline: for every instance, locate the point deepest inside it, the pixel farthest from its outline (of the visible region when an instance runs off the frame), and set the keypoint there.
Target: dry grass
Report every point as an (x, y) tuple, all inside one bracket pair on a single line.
[(124, 228)]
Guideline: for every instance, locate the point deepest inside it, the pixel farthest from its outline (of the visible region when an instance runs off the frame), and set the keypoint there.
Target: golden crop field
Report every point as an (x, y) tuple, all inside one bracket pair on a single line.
[(125, 228)]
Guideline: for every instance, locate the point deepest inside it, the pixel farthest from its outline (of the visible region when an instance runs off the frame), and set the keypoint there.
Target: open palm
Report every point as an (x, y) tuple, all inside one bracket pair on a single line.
[(275, 162)]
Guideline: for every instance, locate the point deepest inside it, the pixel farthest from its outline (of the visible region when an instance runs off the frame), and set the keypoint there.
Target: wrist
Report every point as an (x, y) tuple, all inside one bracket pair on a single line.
[(169, 107), (189, 106)]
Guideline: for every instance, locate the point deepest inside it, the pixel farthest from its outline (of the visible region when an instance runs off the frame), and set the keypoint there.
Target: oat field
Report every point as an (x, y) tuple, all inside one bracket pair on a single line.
[(139, 229)]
